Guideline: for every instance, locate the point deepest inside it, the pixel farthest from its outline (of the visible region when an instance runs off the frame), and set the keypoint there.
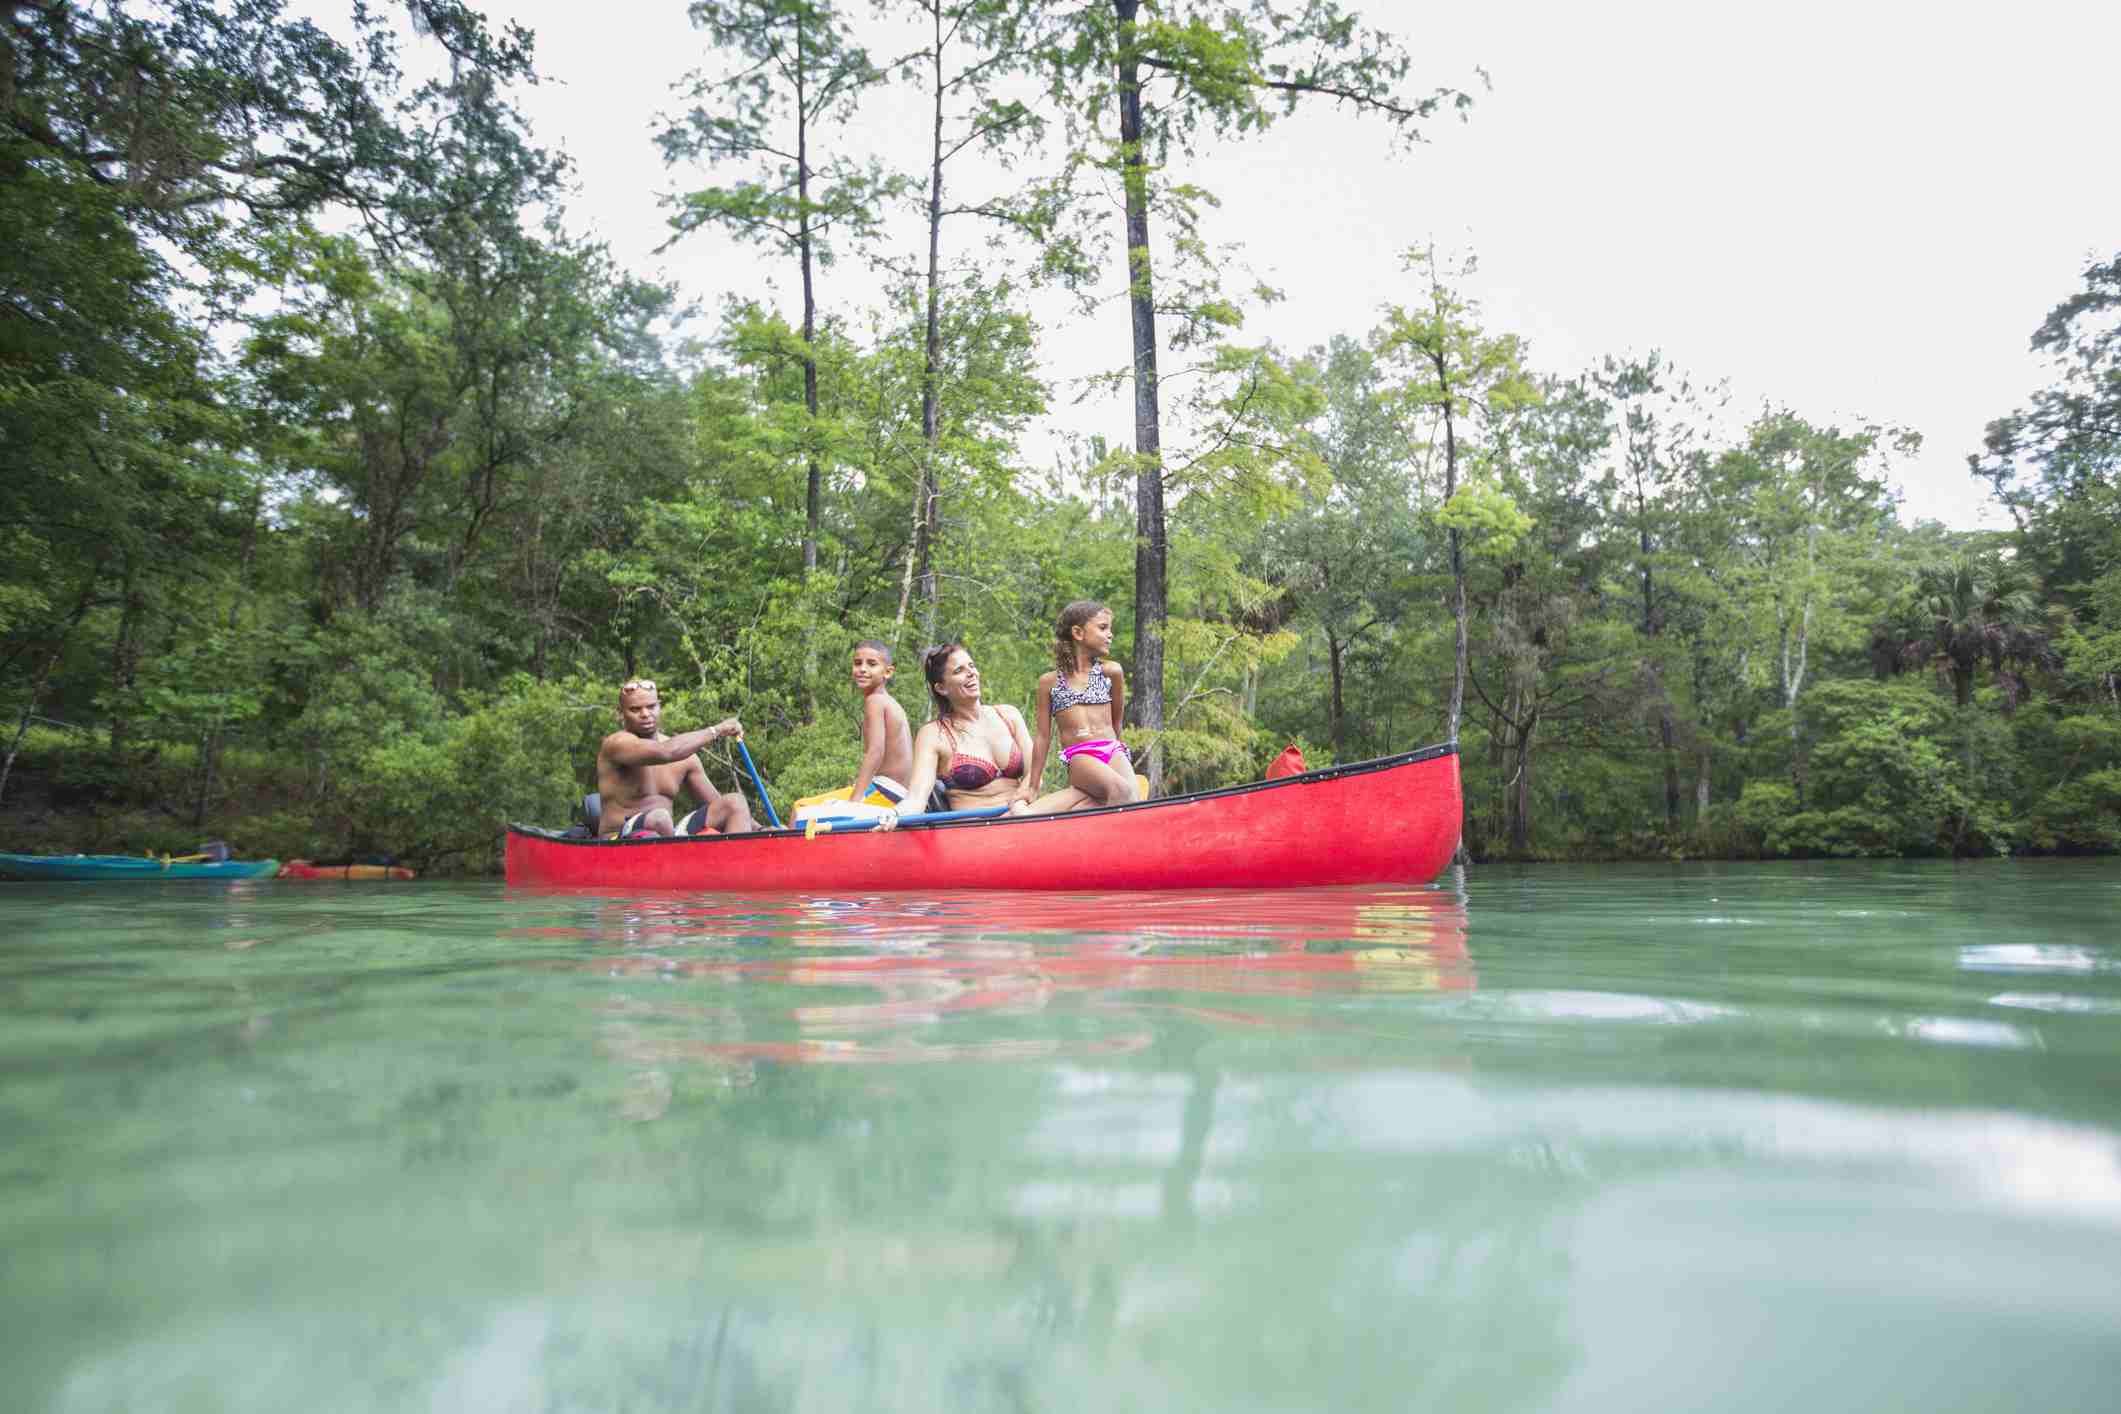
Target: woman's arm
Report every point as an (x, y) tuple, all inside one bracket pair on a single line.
[(1035, 759), (927, 749), (1014, 721)]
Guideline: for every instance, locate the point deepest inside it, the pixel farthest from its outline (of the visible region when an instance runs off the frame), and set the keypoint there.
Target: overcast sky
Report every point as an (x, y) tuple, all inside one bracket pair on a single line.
[(1859, 210)]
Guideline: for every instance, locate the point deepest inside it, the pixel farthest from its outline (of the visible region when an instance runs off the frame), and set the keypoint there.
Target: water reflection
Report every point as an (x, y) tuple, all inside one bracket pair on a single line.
[(892, 979)]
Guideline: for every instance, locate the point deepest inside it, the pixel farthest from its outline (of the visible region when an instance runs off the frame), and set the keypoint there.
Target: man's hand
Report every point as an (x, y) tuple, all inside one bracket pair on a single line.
[(729, 727)]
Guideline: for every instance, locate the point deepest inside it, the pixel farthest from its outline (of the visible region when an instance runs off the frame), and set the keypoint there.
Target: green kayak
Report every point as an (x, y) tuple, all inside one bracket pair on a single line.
[(130, 866)]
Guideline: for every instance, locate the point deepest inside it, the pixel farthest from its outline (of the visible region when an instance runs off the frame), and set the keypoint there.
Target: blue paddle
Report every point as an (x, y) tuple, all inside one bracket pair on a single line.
[(832, 825), (745, 752)]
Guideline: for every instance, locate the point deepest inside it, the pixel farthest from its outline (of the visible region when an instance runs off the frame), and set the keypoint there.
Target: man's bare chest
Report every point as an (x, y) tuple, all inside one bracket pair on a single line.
[(648, 778)]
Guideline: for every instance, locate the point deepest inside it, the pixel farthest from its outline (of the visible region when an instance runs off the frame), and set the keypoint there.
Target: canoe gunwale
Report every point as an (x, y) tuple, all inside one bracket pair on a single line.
[(915, 822)]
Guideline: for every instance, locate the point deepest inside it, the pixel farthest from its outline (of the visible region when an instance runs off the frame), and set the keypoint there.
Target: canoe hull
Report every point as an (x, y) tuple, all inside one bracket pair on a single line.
[(103, 868), (1394, 820)]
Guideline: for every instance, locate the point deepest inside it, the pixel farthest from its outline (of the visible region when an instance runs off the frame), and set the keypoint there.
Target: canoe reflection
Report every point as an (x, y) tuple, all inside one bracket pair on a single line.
[(901, 979)]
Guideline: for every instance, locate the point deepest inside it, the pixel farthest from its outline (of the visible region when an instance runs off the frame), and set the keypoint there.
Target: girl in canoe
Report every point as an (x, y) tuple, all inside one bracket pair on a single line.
[(975, 750), (1082, 701)]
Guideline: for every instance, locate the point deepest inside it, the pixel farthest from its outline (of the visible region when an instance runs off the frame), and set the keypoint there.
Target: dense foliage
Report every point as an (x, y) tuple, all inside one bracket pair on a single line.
[(344, 483)]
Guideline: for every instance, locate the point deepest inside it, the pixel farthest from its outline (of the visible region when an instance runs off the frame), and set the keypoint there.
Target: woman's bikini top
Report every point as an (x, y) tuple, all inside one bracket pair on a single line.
[(1096, 693), (972, 772)]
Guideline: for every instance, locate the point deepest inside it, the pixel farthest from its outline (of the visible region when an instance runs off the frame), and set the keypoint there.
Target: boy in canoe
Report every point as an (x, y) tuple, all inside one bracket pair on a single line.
[(887, 744), (640, 772)]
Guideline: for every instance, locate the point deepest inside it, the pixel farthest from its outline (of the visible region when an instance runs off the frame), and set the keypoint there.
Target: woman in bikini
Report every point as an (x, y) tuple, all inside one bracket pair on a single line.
[(1082, 700), (975, 750)]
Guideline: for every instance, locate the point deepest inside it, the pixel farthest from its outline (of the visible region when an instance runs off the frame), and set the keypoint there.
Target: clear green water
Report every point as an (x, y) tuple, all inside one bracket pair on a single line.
[(1720, 1138)]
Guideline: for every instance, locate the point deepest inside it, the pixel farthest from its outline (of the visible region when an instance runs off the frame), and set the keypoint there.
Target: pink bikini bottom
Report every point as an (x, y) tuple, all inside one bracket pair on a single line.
[(1103, 750)]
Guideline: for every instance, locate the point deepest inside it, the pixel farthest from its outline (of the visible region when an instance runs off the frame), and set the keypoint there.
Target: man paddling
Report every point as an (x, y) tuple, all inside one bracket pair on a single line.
[(640, 772)]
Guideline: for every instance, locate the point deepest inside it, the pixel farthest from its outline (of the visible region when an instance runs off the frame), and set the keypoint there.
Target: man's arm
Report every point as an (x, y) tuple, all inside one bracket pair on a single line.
[(626, 749), (694, 779)]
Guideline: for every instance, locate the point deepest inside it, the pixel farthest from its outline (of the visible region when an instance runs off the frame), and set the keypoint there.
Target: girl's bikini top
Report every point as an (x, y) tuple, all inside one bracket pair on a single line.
[(1096, 693), (972, 772)]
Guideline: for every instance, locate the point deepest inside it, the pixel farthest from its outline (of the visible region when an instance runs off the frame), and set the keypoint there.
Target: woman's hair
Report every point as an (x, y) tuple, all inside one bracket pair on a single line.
[(1078, 613), (933, 662)]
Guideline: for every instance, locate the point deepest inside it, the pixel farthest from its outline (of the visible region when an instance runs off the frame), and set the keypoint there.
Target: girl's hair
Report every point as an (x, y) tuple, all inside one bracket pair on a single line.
[(1078, 613), (933, 661)]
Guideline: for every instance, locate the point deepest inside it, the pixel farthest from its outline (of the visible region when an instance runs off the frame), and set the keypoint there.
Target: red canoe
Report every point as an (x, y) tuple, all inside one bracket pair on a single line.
[(1392, 820)]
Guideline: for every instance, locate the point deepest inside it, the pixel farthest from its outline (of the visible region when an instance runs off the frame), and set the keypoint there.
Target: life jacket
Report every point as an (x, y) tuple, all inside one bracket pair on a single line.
[(1289, 763)]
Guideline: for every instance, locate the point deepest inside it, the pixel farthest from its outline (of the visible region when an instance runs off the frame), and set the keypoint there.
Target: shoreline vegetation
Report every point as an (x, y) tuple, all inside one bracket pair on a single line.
[(341, 495)]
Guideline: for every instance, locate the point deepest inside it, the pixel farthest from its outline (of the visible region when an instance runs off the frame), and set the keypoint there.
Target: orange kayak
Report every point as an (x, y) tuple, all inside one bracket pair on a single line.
[(303, 869)]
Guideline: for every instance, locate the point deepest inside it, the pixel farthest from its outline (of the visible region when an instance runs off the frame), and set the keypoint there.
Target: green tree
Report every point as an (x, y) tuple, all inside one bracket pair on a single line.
[(1452, 374), (1793, 514), (2056, 464), (1662, 421), (1975, 609), (971, 48), (789, 70), (1139, 81), (1349, 553), (210, 125), (1550, 661), (150, 162)]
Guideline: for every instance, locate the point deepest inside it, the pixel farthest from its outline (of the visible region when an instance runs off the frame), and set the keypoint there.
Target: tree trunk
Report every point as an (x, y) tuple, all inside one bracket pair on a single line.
[(125, 661), (1701, 783), (209, 760), (1334, 709), (1651, 628), (929, 515), (82, 602), (1150, 604), (1666, 731), (1793, 669), (1498, 767), (910, 570), (210, 750), (814, 488), (1458, 557), (1521, 794), (29, 710)]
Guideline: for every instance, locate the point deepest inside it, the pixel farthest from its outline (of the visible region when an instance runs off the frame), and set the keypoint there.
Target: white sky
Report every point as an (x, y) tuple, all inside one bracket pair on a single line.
[(1857, 209)]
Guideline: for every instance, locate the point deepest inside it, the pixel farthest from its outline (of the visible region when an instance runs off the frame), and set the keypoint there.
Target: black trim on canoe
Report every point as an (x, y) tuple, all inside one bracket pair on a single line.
[(915, 822)]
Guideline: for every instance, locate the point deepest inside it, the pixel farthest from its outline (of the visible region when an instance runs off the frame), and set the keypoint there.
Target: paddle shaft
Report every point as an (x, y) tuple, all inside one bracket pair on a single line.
[(745, 752), (832, 826)]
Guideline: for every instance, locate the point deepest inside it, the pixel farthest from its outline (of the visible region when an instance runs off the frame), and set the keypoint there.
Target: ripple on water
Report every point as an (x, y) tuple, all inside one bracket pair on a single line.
[(2031, 957), (2058, 1002), (1569, 1006), (1964, 1031)]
